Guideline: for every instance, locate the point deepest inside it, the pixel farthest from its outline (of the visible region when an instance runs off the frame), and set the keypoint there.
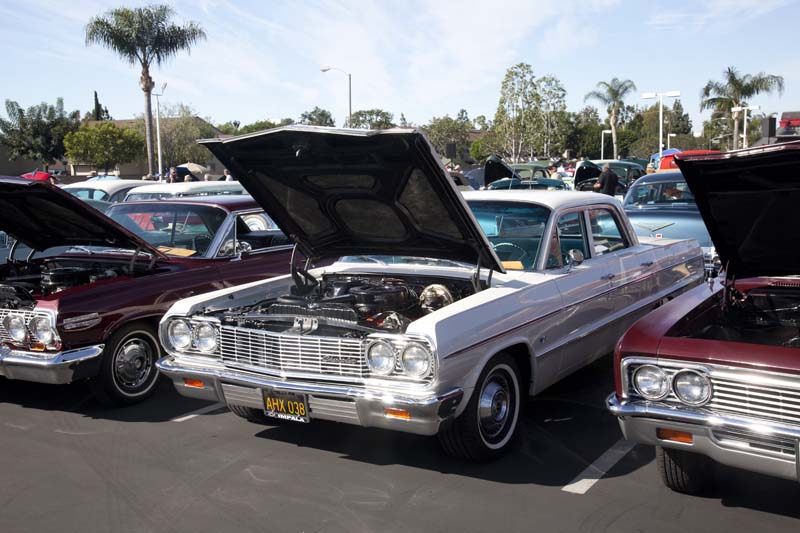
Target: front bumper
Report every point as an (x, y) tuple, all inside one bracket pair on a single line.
[(53, 368), (328, 401), (759, 446)]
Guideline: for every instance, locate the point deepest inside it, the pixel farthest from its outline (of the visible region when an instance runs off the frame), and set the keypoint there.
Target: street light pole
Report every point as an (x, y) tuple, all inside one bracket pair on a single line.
[(349, 92), (603, 142), (660, 96), (745, 109), (158, 130)]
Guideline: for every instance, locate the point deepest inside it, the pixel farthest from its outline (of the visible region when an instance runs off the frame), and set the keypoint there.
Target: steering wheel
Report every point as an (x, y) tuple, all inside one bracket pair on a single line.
[(202, 236), (520, 251)]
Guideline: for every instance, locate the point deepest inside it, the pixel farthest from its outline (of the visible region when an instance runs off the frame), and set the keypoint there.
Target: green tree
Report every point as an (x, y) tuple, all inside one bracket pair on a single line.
[(147, 36), (37, 132), (403, 122), (679, 121), (583, 132), (103, 145), (612, 95), (442, 131), (734, 90), (517, 111), (372, 119), (232, 127), (98, 112), (552, 97), (317, 117), (180, 130)]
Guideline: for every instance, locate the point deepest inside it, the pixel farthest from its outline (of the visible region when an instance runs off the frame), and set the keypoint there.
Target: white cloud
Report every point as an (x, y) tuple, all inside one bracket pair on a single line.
[(714, 14)]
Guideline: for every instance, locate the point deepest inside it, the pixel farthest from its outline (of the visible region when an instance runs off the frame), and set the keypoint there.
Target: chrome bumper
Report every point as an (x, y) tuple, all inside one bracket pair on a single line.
[(755, 445), (337, 402), (54, 368)]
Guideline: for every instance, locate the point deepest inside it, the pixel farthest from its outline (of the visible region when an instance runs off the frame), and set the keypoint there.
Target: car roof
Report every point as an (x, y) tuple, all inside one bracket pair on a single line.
[(187, 186), (109, 186), (228, 202), (551, 199), (657, 177)]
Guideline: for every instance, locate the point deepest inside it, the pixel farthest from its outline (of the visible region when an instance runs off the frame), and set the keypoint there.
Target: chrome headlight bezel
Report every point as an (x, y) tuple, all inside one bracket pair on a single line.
[(702, 380), (200, 334), (172, 335), (426, 356), (18, 326), (42, 329), (660, 375), (391, 360)]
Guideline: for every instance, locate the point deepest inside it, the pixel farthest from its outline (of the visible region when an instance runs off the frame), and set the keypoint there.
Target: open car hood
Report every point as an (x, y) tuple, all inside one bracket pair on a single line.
[(496, 169), (352, 192), (42, 216), (586, 171), (749, 201)]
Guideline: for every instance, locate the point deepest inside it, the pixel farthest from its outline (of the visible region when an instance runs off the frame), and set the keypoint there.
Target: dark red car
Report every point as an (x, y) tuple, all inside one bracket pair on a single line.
[(714, 376), (82, 293)]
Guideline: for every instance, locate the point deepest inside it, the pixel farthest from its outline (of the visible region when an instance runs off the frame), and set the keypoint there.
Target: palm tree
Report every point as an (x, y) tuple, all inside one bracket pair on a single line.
[(143, 35), (734, 90), (612, 95)]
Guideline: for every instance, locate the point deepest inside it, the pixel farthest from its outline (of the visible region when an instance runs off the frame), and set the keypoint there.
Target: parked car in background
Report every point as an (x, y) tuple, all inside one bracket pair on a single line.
[(84, 301), (661, 206), (587, 173), (668, 160), (184, 189), (111, 191), (714, 376), (475, 178), (423, 327), (530, 170), (538, 184)]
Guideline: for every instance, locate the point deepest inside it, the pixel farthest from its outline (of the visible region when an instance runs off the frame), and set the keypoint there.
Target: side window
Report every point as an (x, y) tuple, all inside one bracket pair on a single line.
[(254, 232), (539, 173), (606, 232), (569, 235)]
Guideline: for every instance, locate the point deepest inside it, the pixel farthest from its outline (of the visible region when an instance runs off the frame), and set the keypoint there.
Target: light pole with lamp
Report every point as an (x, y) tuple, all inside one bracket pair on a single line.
[(603, 142), (745, 109), (158, 130), (660, 96), (349, 93), (669, 136)]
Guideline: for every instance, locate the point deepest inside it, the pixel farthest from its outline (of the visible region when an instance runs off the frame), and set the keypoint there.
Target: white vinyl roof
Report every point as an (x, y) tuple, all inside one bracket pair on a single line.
[(551, 199)]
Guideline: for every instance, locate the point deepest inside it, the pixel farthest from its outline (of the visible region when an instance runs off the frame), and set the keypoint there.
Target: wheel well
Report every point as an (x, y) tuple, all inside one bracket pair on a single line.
[(151, 321), (522, 356)]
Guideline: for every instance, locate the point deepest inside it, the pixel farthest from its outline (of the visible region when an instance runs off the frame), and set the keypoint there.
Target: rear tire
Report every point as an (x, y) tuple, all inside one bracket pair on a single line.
[(682, 471), (128, 373), (488, 425)]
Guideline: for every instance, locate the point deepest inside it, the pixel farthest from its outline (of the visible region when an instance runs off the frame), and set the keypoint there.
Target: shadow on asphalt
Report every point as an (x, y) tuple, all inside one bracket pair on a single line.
[(563, 431), (164, 405)]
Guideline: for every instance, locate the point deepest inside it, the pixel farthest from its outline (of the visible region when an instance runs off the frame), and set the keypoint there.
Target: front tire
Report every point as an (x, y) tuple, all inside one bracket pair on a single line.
[(128, 374), (248, 413), (488, 425), (682, 471)]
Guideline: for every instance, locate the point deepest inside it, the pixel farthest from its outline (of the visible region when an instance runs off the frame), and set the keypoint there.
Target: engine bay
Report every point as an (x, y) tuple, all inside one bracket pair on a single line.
[(352, 305), (22, 281), (766, 315)]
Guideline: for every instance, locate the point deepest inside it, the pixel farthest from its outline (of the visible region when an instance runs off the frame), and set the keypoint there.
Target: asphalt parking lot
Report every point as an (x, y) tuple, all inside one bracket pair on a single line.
[(174, 464)]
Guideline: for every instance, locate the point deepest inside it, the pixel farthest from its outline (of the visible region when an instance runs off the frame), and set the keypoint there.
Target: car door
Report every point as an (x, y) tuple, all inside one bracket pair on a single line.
[(584, 289)]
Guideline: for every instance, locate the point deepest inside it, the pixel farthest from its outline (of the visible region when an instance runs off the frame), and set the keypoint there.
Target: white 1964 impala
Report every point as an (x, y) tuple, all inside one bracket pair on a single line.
[(443, 311)]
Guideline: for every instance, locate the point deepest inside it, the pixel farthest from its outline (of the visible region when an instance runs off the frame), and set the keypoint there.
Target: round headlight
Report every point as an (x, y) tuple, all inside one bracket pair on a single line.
[(205, 336), (15, 327), (180, 334), (691, 387), (651, 382), (416, 360), (41, 328), (380, 358)]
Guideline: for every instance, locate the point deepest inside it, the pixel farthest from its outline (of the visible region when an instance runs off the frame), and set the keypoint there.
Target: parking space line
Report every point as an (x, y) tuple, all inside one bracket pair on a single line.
[(202, 411), (599, 467)]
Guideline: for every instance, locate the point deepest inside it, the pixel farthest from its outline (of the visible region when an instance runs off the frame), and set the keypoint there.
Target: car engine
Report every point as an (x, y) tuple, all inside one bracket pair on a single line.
[(352, 305), (49, 277)]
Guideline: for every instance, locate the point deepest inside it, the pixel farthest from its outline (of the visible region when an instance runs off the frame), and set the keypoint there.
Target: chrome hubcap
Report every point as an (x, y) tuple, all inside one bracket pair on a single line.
[(494, 405), (133, 363)]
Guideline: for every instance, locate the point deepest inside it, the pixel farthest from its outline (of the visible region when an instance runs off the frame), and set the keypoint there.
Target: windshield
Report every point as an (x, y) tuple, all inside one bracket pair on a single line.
[(88, 194), (675, 193), (179, 230)]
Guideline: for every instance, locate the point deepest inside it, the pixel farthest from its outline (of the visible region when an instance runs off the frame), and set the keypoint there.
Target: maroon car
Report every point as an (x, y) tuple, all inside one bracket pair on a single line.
[(714, 376), (82, 293)]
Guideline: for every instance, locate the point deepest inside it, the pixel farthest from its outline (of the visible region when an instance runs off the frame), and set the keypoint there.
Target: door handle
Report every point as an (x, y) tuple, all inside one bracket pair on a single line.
[(647, 264), (609, 277)]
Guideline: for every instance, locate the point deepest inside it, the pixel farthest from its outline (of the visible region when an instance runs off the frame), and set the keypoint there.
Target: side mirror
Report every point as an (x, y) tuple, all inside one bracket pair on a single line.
[(574, 257), (243, 248)]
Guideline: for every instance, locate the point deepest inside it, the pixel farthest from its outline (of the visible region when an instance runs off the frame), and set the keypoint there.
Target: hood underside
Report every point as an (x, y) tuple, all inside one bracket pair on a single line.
[(352, 192), (42, 217), (750, 202)]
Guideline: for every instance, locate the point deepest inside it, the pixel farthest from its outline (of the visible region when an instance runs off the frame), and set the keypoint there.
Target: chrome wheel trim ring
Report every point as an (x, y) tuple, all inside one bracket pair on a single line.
[(133, 364), (498, 406)]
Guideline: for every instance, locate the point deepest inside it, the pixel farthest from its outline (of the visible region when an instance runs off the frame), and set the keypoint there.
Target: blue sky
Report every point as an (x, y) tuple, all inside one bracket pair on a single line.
[(420, 58)]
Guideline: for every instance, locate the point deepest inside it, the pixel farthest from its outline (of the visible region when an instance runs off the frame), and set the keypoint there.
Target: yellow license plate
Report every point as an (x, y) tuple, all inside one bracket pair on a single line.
[(286, 406)]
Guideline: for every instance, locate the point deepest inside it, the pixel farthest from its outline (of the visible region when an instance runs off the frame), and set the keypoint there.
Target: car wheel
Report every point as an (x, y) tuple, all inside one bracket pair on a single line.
[(128, 374), (682, 471), (256, 416), (489, 423)]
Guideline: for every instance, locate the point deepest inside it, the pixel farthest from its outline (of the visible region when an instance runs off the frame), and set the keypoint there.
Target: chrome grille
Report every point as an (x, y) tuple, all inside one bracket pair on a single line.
[(26, 315), (773, 402), (769, 445), (280, 352)]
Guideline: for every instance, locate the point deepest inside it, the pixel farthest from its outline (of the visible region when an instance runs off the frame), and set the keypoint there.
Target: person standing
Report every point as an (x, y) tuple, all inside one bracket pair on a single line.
[(552, 172), (607, 182), (173, 175), (227, 175)]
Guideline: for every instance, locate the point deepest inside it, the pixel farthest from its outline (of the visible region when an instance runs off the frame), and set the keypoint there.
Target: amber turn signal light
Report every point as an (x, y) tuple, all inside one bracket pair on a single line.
[(392, 412), (676, 436), (194, 383)]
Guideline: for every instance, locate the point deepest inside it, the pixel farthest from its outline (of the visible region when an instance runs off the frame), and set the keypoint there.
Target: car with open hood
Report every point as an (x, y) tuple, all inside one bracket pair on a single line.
[(445, 309), (714, 376), (82, 292)]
